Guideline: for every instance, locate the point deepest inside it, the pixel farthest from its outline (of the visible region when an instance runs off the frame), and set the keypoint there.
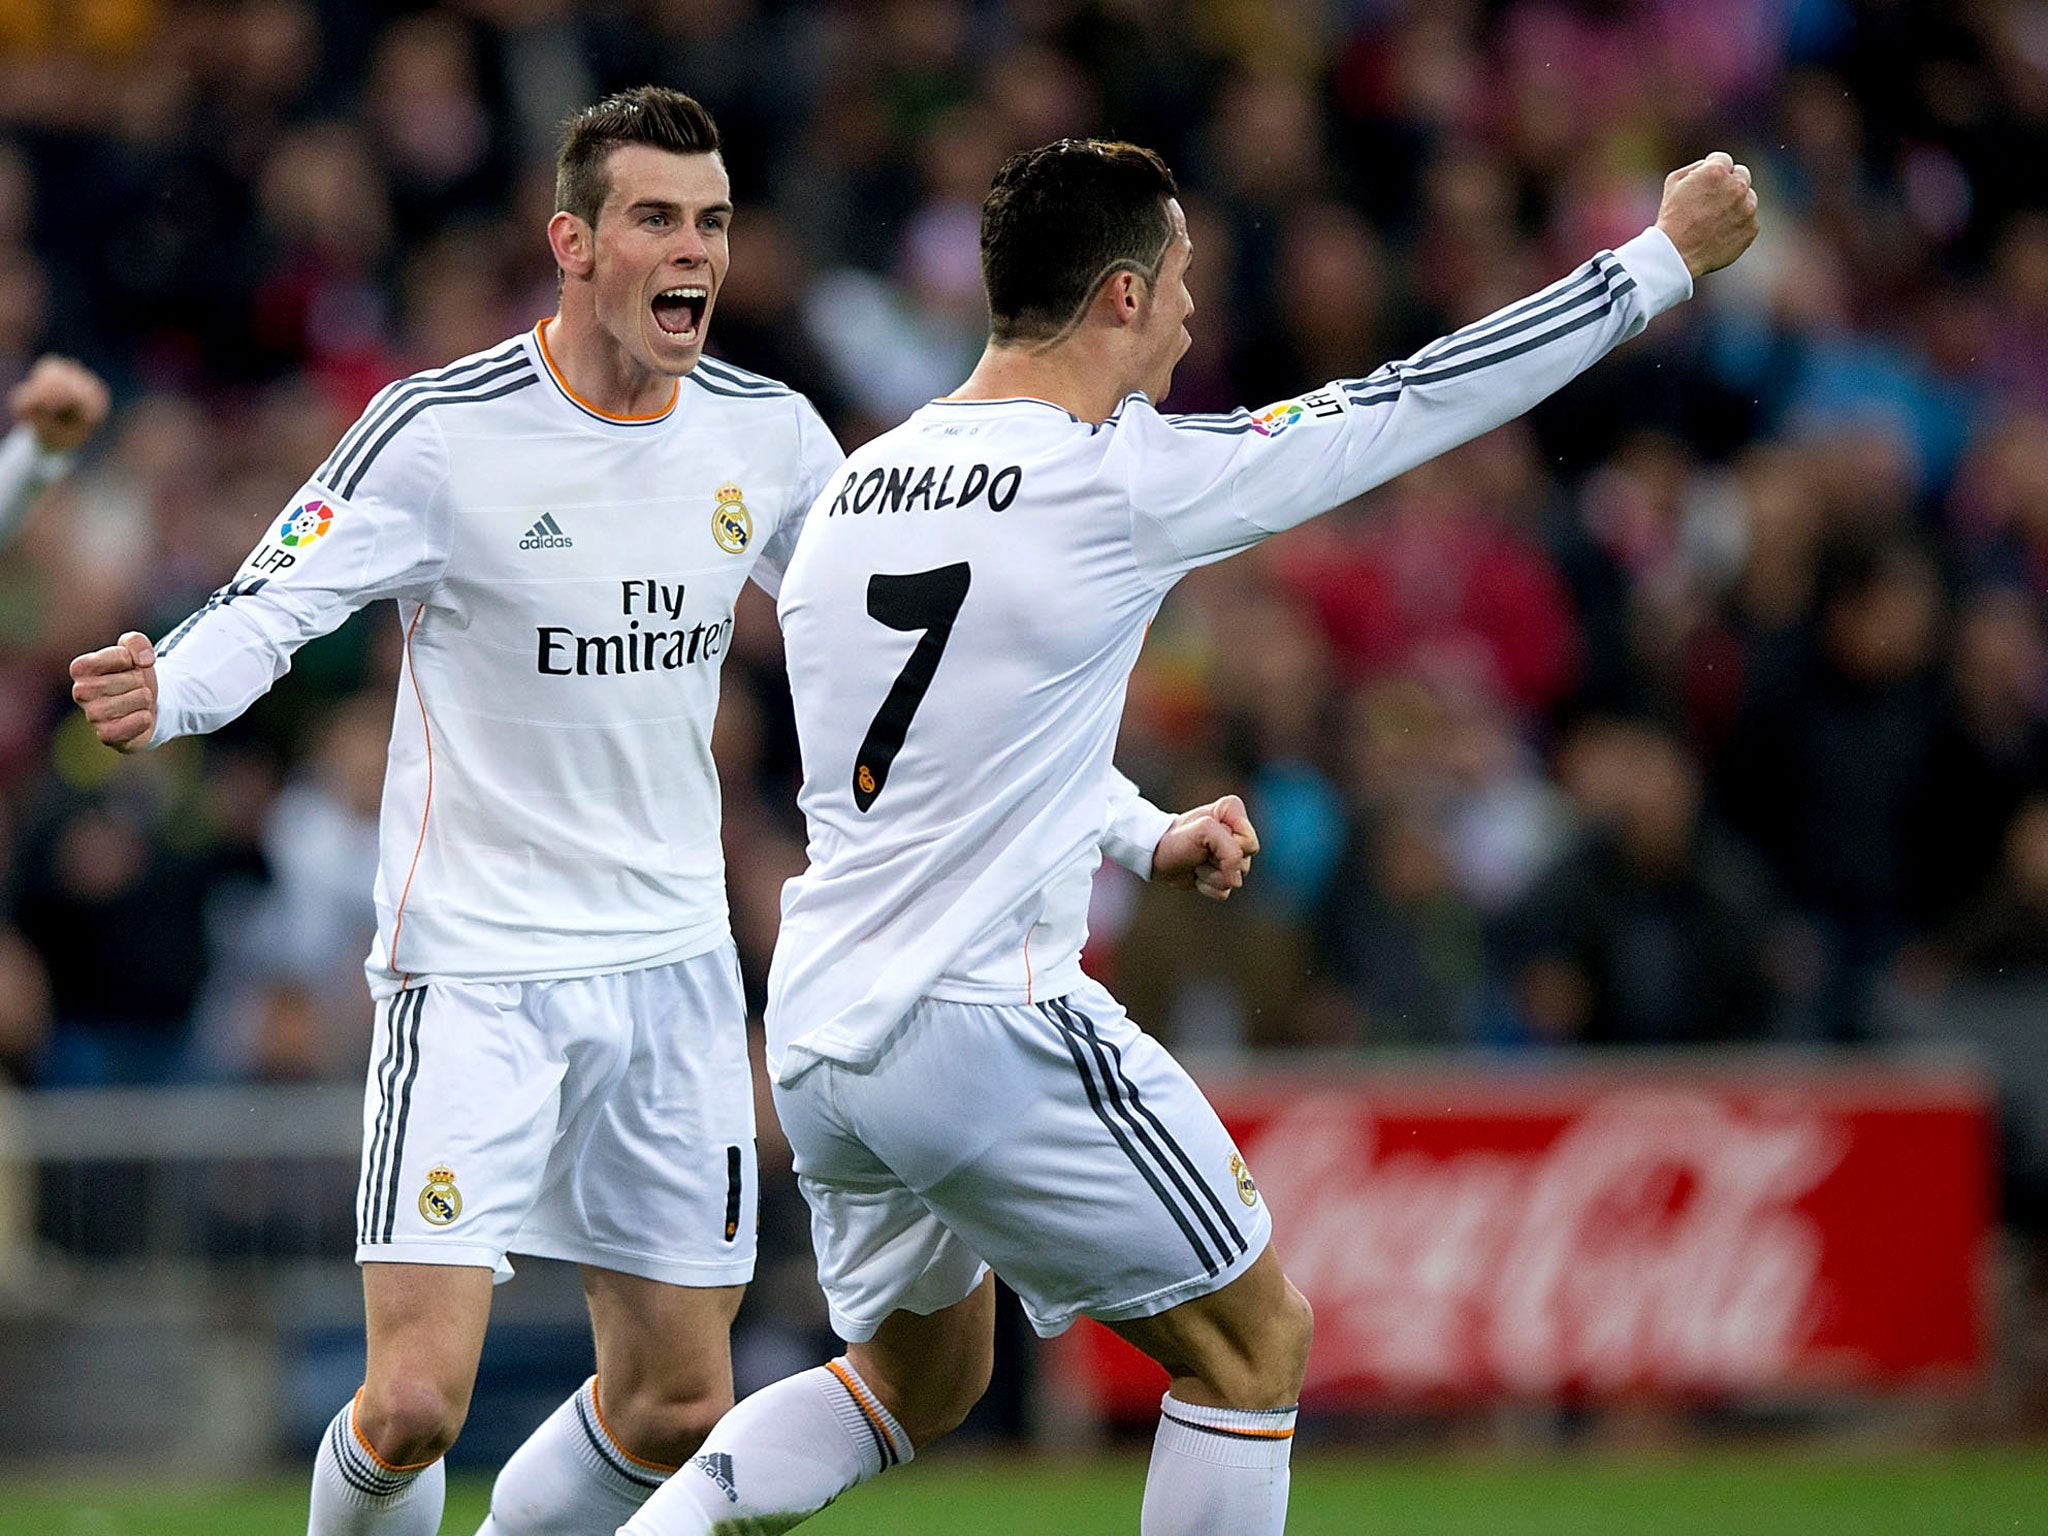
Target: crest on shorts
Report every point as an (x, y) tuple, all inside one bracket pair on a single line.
[(1247, 1187), (440, 1201), (731, 523)]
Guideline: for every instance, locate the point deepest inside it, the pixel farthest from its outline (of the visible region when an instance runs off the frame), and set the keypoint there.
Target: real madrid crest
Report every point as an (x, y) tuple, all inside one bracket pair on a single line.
[(440, 1201), (1247, 1188), (731, 523)]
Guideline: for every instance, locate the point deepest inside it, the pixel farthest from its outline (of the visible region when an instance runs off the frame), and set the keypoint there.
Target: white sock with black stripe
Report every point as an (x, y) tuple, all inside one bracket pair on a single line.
[(571, 1477), (779, 1457), (1218, 1471), (355, 1493)]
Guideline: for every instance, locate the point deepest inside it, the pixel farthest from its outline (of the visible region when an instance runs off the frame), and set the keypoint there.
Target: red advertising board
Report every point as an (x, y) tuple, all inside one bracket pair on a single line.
[(1751, 1230)]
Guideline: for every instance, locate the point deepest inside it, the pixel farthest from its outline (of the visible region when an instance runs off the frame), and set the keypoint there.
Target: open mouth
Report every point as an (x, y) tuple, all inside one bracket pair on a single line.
[(680, 311)]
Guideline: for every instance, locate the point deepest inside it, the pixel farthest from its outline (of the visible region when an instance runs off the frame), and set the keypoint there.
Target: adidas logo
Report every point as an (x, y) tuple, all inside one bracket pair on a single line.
[(717, 1466), (546, 534)]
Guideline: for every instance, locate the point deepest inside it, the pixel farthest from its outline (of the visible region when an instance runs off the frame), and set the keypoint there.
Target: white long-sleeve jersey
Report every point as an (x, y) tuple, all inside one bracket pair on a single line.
[(963, 612), (565, 580)]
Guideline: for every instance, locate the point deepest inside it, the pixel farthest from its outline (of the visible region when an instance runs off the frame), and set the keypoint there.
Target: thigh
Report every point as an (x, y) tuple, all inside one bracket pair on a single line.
[(1089, 1170), (654, 1173), (425, 1326), (462, 1107)]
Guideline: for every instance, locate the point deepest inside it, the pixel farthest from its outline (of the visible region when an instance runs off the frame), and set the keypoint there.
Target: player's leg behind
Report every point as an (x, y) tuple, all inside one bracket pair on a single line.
[(651, 1188), (664, 1378)]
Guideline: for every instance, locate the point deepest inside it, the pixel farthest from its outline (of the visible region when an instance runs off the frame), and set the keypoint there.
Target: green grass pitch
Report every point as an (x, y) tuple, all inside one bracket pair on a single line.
[(1973, 1493)]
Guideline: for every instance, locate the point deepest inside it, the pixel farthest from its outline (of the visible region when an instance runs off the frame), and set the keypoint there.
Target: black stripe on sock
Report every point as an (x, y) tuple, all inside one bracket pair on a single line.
[(1218, 1429), (356, 1469), (454, 376), (601, 1443), (523, 377), (1095, 1102), (412, 1072), (1180, 1153), (883, 1447), (1186, 1179)]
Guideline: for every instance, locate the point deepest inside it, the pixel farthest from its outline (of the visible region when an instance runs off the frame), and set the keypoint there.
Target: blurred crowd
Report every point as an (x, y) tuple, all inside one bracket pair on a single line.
[(1707, 704)]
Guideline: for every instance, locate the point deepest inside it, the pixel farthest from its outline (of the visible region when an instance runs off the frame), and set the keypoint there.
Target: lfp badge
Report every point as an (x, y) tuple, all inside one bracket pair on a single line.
[(306, 524), (1276, 419)]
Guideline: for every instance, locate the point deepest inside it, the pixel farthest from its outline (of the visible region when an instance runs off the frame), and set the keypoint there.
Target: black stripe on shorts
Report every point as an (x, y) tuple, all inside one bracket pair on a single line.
[(1126, 1096), (1144, 1161)]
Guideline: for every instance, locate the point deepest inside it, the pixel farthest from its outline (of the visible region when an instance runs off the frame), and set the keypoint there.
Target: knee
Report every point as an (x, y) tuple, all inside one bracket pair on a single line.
[(1267, 1368), (409, 1421), (662, 1427)]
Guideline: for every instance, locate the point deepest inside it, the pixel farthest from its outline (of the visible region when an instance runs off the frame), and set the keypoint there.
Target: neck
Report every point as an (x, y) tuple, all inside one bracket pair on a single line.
[(1071, 374), (600, 372)]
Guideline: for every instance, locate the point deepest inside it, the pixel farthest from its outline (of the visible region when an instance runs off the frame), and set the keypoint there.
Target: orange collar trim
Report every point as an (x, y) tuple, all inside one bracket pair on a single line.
[(675, 389)]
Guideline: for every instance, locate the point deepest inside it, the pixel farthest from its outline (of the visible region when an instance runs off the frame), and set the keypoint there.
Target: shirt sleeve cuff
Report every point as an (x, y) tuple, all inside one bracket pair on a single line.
[(1134, 836), (1661, 274)]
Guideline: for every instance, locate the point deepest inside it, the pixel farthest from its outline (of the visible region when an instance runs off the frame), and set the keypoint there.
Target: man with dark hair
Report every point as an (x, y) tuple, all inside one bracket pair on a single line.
[(560, 1062), (961, 619)]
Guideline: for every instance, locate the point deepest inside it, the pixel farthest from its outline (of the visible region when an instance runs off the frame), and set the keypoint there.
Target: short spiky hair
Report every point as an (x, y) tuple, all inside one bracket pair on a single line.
[(647, 114), (1059, 220)]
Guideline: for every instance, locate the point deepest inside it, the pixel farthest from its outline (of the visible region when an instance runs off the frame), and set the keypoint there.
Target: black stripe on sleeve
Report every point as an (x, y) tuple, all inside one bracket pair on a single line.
[(526, 379), (1579, 285), (1440, 375), (742, 378), (454, 375), (1209, 1263)]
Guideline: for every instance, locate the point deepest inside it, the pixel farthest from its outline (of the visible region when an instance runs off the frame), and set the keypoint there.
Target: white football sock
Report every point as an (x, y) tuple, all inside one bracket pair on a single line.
[(356, 1493), (571, 1477), (779, 1457), (1218, 1471)]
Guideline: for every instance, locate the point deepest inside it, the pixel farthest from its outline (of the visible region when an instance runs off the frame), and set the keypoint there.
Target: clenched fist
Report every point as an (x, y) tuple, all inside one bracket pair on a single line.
[(1709, 212), (1209, 849), (62, 401), (116, 687)]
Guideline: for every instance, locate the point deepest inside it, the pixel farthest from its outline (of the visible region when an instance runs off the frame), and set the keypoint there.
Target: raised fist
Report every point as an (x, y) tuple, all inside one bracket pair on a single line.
[(1709, 212), (64, 402)]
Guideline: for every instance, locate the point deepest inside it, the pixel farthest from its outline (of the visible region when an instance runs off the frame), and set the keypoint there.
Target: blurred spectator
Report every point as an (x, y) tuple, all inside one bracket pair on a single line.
[(1655, 928), (1825, 767)]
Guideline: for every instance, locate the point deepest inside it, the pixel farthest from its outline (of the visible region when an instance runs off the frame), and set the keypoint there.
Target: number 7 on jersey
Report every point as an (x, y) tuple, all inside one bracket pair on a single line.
[(926, 600)]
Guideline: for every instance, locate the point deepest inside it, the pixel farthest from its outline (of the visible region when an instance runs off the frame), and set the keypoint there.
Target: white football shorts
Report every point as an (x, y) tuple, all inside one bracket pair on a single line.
[(1055, 1142), (606, 1120)]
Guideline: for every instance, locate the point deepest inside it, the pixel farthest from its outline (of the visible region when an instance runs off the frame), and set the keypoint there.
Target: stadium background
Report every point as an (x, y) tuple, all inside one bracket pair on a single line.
[(1705, 708)]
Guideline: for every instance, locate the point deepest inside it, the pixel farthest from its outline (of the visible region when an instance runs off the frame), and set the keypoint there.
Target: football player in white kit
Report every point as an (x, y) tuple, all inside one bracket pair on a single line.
[(961, 618), (559, 1065), (55, 408)]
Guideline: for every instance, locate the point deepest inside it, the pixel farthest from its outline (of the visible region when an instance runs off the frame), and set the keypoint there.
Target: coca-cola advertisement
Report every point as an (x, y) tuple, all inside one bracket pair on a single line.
[(1756, 1232)]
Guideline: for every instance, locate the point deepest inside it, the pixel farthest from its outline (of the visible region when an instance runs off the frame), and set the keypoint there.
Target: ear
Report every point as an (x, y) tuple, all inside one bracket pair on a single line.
[(1120, 298), (574, 244)]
